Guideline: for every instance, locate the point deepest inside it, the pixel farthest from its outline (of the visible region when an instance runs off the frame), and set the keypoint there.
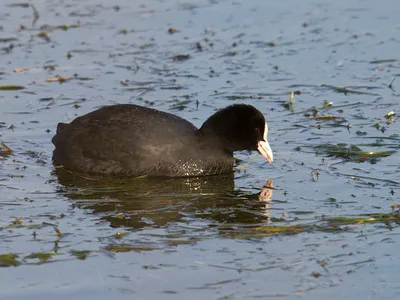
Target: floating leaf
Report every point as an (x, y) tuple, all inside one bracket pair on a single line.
[(346, 90), (6, 151), (8, 260), (361, 133), (6, 40), (82, 254), (172, 30), (44, 36), (381, 61), (351, 152), (20, 4), (390, 114), (41, 256), (60, 79), (11, 87), (18, 221), (129, 248), (286, 230), (329, 118), (373, 218), (181, 57), (66, 27), (327, 104), (264, 231), (19, 70)]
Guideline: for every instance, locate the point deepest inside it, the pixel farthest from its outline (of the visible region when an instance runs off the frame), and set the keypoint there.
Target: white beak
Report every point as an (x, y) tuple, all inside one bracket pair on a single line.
[(265, 149)]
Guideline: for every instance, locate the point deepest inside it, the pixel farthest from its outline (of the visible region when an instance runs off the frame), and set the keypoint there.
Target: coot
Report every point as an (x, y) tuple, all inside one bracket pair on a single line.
[(131, 140)]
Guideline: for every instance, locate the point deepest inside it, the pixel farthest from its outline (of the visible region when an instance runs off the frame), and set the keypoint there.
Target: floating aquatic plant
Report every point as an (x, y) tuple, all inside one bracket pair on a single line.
[(350, 152)]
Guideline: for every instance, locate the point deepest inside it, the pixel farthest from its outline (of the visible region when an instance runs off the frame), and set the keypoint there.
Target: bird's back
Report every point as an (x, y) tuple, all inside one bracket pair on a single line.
[(124, 140)]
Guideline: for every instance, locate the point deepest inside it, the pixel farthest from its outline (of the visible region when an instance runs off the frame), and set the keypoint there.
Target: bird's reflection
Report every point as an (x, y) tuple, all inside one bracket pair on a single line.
[(142, 202), (265, 197)]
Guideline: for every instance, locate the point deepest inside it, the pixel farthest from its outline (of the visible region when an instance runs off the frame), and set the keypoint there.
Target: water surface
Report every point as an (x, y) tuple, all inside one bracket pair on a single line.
[(321, 221)]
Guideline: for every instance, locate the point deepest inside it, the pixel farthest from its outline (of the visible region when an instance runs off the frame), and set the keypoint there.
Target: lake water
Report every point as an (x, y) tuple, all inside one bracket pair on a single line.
[(320, 222)]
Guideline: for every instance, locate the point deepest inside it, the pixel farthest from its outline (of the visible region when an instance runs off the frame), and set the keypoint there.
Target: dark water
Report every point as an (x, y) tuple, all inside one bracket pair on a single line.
[(322, 221)]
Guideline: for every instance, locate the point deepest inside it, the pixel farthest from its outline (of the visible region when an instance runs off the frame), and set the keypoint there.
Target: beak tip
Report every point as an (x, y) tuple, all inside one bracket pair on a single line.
[(266, 151)]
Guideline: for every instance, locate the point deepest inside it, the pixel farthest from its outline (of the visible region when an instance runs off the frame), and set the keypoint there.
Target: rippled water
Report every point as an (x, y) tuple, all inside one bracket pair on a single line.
[(321, 221)]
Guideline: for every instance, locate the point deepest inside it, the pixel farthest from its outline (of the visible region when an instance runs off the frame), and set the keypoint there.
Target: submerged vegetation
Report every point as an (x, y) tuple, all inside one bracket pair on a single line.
[(327, 224)]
